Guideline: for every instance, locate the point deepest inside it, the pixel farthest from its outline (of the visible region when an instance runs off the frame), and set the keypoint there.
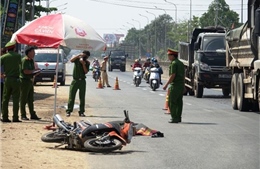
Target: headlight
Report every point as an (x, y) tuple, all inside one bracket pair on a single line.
[(204, 66)]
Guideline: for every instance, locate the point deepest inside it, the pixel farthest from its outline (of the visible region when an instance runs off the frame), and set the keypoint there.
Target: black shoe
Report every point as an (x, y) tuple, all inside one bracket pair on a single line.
[(25, 118), (5, 120), (17, 121), (67, 114), (35, 117), (108, 86), (173, 121), (161, 83), (82, 115)]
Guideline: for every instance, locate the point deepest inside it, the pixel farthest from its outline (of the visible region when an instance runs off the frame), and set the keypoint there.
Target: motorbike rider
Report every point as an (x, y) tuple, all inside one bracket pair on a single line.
[(136, 64), (146, 64), (156, 64), (95, 63)]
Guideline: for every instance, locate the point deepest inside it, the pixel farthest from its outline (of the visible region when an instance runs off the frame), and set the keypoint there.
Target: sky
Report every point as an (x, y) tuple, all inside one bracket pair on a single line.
[(118, 16)]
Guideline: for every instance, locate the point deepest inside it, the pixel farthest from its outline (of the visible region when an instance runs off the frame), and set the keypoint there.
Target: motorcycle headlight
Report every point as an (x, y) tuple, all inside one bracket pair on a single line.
[(204, 66)]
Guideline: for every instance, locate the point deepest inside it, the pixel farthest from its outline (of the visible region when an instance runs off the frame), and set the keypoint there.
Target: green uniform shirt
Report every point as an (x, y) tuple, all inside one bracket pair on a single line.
[(11, 62), (27, 64), (78, 71), (176, 67)]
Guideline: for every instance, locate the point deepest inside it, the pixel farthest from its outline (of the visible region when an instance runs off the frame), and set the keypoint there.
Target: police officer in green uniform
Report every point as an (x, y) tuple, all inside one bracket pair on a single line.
[(176, 82), (26, 75), (81, 68), (11, 62)]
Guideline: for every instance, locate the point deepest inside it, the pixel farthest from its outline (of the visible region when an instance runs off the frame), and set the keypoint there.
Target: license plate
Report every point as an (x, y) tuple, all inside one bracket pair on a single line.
[(46, 78), (224, 76)]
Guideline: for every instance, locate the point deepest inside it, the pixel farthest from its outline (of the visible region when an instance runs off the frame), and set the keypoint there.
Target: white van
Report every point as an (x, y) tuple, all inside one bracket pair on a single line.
[(46, 59)]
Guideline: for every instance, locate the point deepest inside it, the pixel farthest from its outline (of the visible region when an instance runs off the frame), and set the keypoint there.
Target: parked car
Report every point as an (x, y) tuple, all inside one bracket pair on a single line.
[(46, 59)]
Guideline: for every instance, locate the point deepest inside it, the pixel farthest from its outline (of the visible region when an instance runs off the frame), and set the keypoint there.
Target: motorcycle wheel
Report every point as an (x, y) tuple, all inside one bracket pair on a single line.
[(96, 145), (51, 138)]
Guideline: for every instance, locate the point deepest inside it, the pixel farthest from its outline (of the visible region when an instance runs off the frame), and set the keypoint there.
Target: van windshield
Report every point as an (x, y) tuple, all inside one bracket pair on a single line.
[(46, 57)]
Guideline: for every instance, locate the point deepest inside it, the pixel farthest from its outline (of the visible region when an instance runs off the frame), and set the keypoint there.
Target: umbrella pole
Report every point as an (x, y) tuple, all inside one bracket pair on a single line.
[(56, 80)]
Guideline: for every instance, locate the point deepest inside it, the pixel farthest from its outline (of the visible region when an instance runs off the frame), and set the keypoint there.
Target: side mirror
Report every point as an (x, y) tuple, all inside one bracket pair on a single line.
[(196, 46), (257, 24)]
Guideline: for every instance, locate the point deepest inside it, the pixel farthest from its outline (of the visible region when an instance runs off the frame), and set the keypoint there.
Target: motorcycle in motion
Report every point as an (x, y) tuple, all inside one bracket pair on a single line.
[(146, 75), (96, 73), (100, 137), (154, 80), (137, 77)]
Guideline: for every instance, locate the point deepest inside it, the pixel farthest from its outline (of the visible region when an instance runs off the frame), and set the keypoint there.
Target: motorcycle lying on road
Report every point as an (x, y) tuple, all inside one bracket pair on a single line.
[(100, 137), (96, 73), (137, 77)]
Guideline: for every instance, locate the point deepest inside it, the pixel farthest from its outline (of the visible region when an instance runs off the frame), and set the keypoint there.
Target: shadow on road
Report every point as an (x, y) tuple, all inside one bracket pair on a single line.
[(216, 97), (41, 96), (198, 123)]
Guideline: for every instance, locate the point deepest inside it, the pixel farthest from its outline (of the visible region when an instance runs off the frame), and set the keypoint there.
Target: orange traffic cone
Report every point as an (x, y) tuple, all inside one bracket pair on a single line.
[(54, 82), (99, 86), (116, 85), (166, 106)]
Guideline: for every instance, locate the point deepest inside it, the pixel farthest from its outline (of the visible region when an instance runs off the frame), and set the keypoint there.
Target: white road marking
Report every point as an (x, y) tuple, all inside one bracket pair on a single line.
[(188, 104), (161, 94)]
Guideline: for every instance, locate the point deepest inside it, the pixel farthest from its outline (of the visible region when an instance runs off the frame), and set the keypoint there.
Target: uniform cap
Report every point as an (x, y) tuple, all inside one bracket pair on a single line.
[(172, 52), (10, 45)]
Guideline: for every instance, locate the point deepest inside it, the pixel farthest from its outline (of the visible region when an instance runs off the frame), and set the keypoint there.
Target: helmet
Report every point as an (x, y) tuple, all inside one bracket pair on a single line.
[(155, 60), (148, 59), (136, 60)]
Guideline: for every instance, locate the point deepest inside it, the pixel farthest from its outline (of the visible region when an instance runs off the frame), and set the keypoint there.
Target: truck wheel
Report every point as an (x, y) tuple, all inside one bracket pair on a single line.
[(191, 92), (242, 103), (185, 92), (122, 69), (198, 90), (62, 83), (225, 91), (110, 68), (234, 91)]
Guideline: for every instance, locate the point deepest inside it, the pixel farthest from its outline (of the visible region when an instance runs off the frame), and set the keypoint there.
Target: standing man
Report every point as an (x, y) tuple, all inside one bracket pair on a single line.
[(11, 62), (27, 89), (104, 72), (176, 81), (3, 51), (81, 68)]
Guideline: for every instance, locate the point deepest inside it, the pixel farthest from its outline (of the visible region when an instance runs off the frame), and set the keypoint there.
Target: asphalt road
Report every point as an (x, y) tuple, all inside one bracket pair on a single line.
[(211, 136)]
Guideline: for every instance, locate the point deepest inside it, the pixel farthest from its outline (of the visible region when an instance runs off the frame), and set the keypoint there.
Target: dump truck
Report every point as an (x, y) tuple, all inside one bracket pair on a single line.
[(242, 57), (204, 60)]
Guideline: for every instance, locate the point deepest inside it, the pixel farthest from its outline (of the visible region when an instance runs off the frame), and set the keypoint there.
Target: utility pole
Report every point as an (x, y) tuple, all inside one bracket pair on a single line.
[(242, 11), (155, 43), (216, 14)]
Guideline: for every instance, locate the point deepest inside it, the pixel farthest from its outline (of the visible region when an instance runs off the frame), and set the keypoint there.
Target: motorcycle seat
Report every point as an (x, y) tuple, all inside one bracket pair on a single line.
[(101, 127)]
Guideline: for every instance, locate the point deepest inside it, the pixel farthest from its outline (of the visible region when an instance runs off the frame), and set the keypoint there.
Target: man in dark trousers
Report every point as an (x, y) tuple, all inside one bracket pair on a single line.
[(81, 68), (176, 82), (11, 62), (27, 90)]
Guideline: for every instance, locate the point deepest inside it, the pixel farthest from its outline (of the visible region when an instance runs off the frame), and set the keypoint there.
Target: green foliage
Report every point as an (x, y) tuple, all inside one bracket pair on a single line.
[(219, 14), (179, 32)]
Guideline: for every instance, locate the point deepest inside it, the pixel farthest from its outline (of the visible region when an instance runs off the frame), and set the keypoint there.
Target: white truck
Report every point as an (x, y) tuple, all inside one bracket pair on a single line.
[(242, 57)]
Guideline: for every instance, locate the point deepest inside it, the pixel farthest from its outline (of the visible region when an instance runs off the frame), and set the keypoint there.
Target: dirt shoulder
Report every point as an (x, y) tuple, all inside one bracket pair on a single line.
[(21, 145)]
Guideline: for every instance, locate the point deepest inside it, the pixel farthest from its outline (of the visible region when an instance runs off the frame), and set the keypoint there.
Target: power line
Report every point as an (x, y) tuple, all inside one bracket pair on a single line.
[(152, 8)]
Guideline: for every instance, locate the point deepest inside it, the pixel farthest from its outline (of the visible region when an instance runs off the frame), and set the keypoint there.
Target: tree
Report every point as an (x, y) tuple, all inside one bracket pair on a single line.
[(219, 14)]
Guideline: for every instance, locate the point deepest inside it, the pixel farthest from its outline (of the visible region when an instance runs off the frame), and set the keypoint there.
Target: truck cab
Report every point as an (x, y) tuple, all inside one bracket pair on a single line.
[(205, 61), (117, 60)]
